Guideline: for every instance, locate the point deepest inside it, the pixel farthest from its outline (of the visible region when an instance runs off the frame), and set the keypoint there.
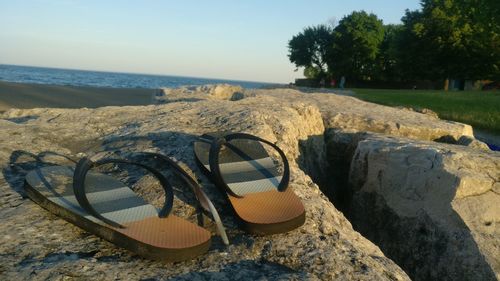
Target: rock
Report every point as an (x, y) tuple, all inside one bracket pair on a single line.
[(205, 92), (38, 245), (472, 142), (428, 112), (431, 207), (425, 111), (348, 113)]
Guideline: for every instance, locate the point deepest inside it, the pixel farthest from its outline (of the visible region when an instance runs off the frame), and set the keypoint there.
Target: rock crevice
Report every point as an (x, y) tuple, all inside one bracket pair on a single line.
[(325, 248), (377, 164), (423, 203)]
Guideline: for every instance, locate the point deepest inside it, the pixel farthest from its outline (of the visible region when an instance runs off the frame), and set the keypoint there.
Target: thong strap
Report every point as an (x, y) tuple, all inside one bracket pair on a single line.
[(218, 142), (201, 196), (85, 164)]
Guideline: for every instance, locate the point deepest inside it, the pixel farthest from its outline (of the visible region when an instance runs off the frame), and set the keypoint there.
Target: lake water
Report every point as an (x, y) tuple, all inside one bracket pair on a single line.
[(55, 76)]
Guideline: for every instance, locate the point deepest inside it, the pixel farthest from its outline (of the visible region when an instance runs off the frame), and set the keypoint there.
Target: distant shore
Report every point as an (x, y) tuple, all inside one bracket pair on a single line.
[(21, 95)]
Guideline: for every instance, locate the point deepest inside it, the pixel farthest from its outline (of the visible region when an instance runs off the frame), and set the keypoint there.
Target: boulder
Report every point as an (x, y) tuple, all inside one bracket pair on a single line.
[(346, 112), (425, 111), (472, 142), (350, 113), (432, 208), (204, 92), (38, 245), (329, 159)]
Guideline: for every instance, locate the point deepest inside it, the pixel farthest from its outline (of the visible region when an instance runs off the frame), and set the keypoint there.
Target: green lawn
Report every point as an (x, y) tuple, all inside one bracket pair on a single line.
[(477, 108)]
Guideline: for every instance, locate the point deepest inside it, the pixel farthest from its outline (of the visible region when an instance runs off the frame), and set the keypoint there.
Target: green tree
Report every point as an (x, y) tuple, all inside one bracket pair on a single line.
[(483, 42), (452, 39), (357, 40), (311, 49), (416, 57), (388, 60), (312, 72)]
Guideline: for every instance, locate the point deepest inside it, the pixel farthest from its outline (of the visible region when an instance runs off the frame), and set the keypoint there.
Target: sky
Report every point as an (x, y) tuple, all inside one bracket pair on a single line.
[(229, 39)]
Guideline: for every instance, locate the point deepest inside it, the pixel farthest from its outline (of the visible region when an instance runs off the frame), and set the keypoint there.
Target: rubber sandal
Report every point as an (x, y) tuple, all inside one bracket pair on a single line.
[(259, 194), (104, 206)]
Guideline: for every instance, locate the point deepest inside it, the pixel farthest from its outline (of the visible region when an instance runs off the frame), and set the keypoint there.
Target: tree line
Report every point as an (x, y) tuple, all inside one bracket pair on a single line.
[(445, 39)]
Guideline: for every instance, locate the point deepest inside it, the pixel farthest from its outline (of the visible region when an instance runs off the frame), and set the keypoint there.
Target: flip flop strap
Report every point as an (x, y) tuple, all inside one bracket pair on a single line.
[(213, 158), (85, 164), (201, 196)]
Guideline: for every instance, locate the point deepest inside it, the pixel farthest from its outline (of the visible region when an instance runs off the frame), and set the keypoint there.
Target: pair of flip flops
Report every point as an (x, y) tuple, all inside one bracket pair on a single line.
[(237, 163)]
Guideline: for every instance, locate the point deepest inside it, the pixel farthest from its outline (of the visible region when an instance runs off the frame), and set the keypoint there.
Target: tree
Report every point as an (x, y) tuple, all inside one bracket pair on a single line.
[(445, 39), (452, 39), (483, 44), (416, 57), (357, 39), (311, 49), (388, 60), (312, 72)]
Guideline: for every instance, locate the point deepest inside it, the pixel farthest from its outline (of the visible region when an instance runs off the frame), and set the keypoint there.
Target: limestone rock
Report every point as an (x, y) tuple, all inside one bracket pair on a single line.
[(425, 111), (348, 113), (194, 93), (472, 142), (38, 245), (431, 207)]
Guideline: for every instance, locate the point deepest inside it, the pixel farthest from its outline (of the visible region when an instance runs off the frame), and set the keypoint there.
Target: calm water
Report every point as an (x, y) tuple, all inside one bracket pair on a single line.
[(55, 76)]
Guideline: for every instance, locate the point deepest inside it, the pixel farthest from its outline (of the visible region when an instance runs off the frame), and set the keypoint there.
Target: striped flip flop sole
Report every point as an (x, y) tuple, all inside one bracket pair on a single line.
[(169, 239), (251, 174)]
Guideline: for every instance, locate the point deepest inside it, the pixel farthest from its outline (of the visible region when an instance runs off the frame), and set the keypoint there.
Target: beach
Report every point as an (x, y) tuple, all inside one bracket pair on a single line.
[(21, 95)]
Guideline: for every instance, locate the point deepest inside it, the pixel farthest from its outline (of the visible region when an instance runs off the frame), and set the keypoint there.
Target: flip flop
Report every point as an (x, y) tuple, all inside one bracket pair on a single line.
[(104, 206), (258, 193)]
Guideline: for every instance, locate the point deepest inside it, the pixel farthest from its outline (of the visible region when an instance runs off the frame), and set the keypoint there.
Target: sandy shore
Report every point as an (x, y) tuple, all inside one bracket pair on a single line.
[(18, 95)]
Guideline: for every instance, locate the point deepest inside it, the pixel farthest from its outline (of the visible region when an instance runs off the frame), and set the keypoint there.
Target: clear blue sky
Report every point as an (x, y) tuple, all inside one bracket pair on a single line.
[(245, 40)]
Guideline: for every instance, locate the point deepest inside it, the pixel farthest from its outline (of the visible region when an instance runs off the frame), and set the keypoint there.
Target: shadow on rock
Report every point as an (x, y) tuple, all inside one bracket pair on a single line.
[(22, 120), (427, 242), (424, 248), (327, 160), (178, 146), (22, 162), (246, 270)]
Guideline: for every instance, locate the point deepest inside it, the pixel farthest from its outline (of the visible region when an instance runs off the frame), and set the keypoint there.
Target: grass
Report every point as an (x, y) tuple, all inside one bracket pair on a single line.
[(478, 108)]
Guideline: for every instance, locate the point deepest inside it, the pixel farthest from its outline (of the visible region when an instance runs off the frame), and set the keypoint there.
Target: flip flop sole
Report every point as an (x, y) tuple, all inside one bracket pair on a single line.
[(169, 239), (250, 172)]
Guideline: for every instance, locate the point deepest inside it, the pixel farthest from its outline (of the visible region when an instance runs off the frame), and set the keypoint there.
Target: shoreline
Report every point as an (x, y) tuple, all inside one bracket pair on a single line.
[(26, 96)]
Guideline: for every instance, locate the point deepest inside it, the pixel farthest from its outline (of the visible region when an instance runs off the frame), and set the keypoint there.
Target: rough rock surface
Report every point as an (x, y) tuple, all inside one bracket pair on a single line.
[(448, 236), (453, 199), (36, 245), (194, 93), (346, 112), (472, 142), (425, 111), (433, 208)]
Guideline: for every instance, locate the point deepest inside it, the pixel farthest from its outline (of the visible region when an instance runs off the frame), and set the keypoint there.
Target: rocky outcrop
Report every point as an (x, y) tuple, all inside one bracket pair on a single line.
[(425, 111), (472, 142), (38, 245), (349, 113), (424, 245), (343, 112), (430, 206), (433, 208), (205, 92)]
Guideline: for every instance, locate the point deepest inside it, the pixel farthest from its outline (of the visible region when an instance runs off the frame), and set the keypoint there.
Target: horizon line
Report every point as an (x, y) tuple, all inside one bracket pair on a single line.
[(138, 73)]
